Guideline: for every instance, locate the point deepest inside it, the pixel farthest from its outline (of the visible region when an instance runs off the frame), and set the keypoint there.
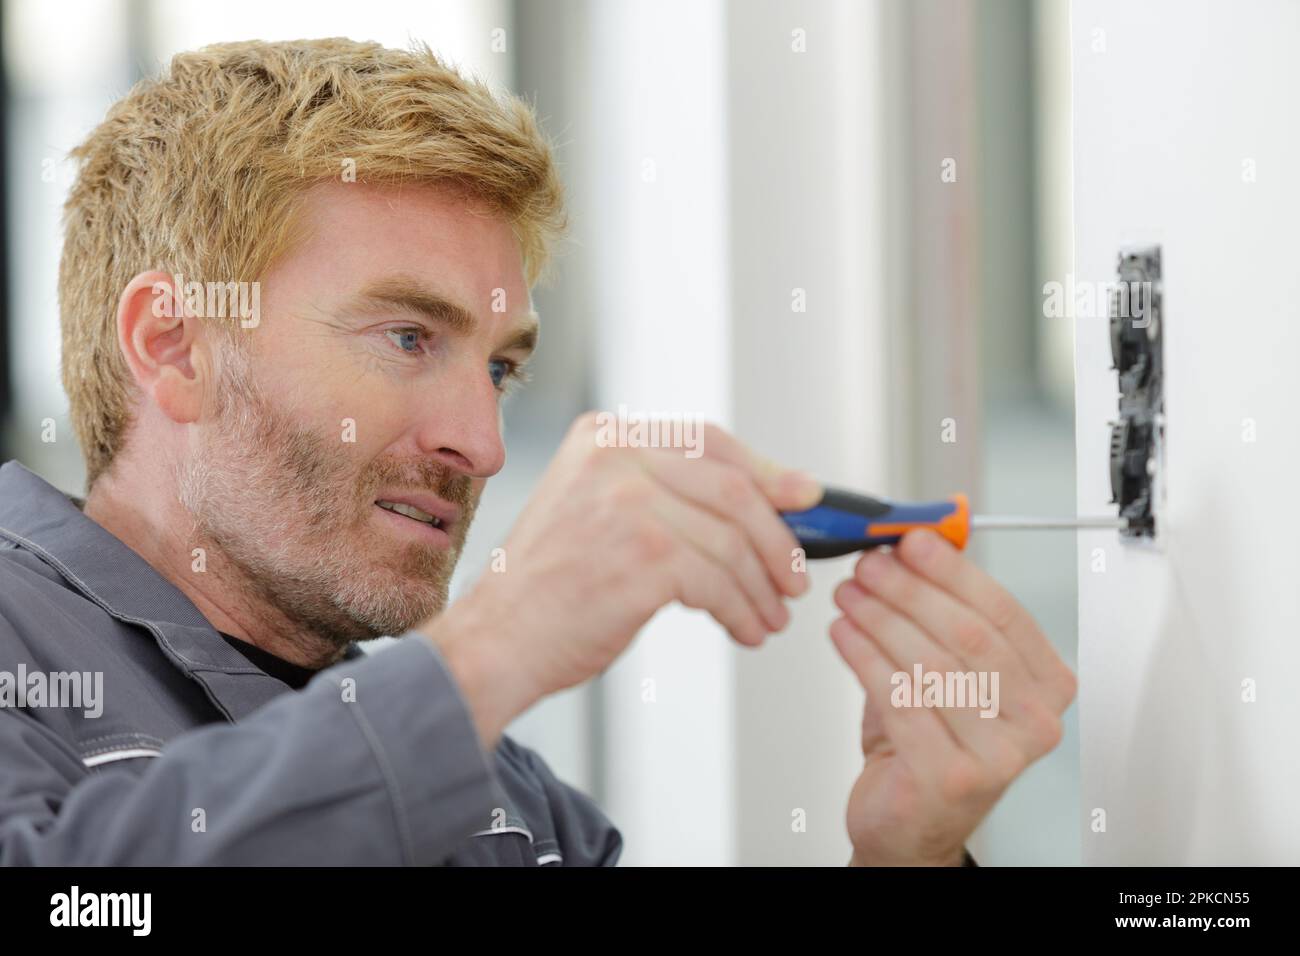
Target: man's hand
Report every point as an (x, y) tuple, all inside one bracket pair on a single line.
[(932, 774), (610, 536)]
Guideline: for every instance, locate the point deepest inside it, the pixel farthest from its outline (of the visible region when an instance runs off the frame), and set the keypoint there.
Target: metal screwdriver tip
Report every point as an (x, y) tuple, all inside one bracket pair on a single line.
[(1013, 522)]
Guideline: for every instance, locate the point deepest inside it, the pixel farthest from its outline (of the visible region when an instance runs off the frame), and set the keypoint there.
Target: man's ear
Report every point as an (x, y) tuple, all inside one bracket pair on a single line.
[(164, 347)]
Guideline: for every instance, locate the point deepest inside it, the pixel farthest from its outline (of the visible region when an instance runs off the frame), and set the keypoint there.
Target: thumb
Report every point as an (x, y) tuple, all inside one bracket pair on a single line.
[(790, 490)]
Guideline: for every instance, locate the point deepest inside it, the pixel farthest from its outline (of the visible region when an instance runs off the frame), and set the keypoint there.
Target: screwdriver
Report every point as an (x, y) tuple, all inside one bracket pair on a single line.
[(843, 522)]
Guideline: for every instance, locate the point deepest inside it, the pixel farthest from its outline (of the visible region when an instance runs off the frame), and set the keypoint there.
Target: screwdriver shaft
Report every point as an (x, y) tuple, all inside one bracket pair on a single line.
[(1004, 522)]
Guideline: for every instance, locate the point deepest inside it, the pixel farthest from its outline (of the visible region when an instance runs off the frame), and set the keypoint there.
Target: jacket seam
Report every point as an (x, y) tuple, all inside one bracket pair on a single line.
[(400, 818), (509, 828), (134, 738)]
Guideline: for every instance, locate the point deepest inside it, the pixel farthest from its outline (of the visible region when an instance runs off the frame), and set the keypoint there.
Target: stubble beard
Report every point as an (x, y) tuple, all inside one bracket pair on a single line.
[(286, 511)]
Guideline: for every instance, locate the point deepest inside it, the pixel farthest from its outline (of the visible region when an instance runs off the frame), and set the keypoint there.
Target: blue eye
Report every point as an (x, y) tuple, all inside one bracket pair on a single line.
[(411, 341), (408, 340), (500, 370)]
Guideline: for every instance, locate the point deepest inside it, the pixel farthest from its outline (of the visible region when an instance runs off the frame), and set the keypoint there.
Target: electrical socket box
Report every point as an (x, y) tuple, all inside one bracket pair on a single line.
[(1137, 349)]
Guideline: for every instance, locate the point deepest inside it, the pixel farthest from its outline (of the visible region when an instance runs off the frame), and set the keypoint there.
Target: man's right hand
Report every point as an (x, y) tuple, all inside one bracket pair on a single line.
[(610, 536)]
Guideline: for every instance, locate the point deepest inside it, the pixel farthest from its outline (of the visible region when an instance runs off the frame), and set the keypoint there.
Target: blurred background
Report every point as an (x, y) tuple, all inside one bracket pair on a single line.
[(825, 225)]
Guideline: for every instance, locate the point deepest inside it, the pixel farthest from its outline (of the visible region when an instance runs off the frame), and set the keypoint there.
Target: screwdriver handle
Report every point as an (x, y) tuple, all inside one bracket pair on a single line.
[(844, 522)]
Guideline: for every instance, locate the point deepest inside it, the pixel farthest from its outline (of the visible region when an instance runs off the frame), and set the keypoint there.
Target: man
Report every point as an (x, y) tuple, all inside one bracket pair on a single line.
[(273, 483)]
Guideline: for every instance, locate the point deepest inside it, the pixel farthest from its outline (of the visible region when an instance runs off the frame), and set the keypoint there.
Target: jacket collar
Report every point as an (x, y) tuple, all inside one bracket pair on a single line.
[(36, 516)]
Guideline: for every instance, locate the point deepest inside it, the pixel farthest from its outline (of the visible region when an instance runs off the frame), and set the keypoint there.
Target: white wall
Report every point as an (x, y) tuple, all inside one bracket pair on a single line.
[(1171, 98)]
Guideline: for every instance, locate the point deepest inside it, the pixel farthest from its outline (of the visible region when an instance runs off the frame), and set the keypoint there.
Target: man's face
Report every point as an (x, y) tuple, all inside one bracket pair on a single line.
[(372, 386)]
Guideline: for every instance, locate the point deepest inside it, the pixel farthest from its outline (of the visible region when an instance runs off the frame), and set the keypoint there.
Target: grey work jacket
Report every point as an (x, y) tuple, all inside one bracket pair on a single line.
[(200, 757)]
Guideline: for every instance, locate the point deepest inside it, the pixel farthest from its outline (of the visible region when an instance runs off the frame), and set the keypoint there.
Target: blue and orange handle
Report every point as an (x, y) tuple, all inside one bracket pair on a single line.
[(844, 522)]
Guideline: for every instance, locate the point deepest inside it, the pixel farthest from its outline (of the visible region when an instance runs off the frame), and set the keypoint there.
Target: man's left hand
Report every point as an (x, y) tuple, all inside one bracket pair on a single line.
[(933, 773)]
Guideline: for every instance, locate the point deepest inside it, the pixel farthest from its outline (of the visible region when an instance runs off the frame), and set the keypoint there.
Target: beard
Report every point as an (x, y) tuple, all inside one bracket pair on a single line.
[(292, 514)]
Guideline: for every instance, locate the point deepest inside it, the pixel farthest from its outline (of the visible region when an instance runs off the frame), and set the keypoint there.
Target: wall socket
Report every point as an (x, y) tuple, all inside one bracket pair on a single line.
[(1137, 323)]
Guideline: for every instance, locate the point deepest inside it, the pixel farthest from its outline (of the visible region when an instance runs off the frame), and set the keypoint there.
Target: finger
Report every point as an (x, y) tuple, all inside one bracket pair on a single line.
[(1021, 706), (920, 739), (728, 547), (955, 626), (732, 494), (937, 560), (704, 584), (873, 728), (786, 489), (905, 645)]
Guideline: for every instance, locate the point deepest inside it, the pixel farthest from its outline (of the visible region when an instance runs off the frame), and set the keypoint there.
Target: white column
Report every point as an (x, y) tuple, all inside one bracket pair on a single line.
[(810, 388), (657, 129)]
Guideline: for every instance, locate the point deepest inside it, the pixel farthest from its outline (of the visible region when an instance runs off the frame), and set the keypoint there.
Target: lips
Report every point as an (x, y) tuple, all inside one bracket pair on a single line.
[(425, 508), (411, 512)]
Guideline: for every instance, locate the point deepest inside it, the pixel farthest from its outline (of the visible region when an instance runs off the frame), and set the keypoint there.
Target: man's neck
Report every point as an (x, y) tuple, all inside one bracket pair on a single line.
[(161, 532)]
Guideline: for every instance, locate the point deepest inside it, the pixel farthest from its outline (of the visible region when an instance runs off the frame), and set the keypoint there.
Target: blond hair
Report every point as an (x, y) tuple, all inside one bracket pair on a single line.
[(200, 171)]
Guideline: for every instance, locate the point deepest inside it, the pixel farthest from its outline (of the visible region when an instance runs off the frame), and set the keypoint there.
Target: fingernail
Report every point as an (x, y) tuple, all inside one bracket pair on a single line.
[(802, 487), (922, 543), (871, 565), (782, 618)]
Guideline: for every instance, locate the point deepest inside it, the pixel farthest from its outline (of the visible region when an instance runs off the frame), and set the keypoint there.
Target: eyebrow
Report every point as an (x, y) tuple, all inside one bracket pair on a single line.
[(408, 295)]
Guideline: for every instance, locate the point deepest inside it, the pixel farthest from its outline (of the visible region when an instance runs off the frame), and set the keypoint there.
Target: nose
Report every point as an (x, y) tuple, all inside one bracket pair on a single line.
[(461, 425)]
